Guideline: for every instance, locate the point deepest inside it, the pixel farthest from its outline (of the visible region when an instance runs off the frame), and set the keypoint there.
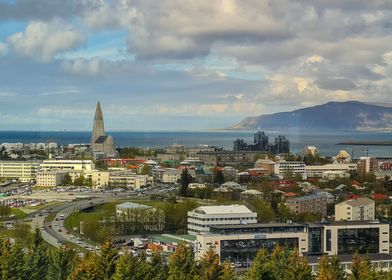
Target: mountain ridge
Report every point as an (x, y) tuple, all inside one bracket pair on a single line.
[(342, 116)]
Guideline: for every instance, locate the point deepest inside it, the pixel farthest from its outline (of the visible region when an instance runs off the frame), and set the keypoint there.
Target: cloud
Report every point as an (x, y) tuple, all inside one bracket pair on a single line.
[(42, 41)]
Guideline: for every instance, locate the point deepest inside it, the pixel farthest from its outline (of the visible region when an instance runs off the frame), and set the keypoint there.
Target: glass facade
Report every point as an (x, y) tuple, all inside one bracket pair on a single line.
[(315, 240), (328, 240), (257, 229), (363, 241), (245, 250)]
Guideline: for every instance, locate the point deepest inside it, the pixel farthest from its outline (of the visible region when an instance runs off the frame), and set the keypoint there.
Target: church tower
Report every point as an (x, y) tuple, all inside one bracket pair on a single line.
[(98, 128)]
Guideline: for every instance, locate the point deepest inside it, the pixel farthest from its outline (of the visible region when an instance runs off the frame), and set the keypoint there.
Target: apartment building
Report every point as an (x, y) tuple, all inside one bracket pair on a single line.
[(69, 165), (357, 209), (315, 203), (283, 168)]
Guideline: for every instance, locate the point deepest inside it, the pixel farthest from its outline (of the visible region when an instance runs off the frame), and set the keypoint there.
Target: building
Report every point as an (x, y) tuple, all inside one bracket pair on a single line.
[(282, 145), (317, 171), (240, 243), (290, 168), (315, 203), (266, 164), (357, 209), (251, 194), (50, 178), (23, 171), (228, 158), (171, 176), (196, 186), (140, 218), (100, 179), (335, 175), (203, 217), (67, 165), (101, 144), (121, 179), (366, 165)]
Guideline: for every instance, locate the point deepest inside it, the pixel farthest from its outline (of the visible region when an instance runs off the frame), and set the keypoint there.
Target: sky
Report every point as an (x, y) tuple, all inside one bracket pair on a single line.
[(185, 64)]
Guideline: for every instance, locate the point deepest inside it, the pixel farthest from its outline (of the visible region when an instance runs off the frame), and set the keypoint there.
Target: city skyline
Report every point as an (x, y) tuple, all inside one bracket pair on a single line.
[(185, 64)]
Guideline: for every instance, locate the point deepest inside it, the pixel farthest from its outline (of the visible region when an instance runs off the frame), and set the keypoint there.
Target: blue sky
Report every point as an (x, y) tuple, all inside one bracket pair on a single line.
[(175, 65)]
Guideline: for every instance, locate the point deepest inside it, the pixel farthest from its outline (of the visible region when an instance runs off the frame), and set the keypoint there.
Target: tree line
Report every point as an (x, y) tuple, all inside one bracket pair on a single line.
[(34, 260)]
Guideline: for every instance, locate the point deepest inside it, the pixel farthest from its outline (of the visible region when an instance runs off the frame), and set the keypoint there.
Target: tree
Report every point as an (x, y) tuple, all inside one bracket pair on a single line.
[(297, 268), (158, 269), (61, 263), (181, 264), (6, 260), (85, 270), (218, 177), (362, 269), (125, 268), (261, 268), (264, 210), (184, 182), (67, 180), (107, 260), (17, 263), (79, 181), (37, 257), (209, 267), (227, 272)]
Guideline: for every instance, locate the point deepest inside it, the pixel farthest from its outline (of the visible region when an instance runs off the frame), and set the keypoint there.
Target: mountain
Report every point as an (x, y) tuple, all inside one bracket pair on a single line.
[(342, 116)]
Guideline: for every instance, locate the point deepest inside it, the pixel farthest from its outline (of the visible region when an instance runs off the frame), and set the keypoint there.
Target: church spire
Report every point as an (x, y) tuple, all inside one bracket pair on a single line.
[(98, 127)]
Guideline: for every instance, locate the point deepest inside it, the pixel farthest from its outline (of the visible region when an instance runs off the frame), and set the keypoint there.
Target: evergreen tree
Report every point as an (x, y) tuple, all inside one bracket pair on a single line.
[(362, 269), (218, 177), (182, 264), (17, 263), (6, 260), (61, 263), (261, 268), (85, 270), (107, 260), (227, 272), (297, 268), (184, 182), (37, 258), (126, 267), (158, 270), (209, 267)]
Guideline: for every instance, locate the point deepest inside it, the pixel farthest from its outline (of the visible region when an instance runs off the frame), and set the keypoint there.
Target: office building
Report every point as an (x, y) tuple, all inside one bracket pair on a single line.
[(317, 171), (203, 217), (240, 243), (357, 209), (24, 171), (67, 165)]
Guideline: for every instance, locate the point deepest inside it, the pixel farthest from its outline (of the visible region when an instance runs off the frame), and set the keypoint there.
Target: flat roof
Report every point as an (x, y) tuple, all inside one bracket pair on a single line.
[(263, 225), (315, 259), (357, 201), (223, 209)]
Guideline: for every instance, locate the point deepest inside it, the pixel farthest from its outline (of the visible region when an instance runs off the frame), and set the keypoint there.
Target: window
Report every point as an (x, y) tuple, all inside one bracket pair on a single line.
[(363, 241)]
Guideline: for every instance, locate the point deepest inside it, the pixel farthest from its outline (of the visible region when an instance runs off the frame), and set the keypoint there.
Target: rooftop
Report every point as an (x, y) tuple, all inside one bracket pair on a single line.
[(357, 201), (223, 209)]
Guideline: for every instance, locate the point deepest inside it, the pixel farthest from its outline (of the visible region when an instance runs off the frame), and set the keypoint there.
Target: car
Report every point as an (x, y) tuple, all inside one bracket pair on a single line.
[(59, 230), (78, 242), (67, 232)]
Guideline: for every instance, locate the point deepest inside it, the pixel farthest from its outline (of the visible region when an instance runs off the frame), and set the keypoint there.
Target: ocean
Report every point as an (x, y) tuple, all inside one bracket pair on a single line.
[(325, 142)]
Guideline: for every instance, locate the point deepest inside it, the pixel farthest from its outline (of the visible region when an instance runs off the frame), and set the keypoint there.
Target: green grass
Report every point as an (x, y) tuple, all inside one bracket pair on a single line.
[(19, 214)]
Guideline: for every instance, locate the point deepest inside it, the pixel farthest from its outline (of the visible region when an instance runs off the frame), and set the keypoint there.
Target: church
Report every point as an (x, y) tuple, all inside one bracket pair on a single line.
[(101, 144)]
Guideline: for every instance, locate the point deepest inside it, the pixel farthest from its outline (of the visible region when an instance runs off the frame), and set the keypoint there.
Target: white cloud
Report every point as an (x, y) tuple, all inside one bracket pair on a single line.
[(42, 41), (3, 48)]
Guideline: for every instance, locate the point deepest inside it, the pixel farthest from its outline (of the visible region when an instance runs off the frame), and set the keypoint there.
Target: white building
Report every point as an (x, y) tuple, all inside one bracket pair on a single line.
[(290, 167), (24, 171), (196, 186), (318, 170), (334, 175), (201, 218), (171, 176), (99, 179), (68, 165), (357, 209), (50, 178)]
